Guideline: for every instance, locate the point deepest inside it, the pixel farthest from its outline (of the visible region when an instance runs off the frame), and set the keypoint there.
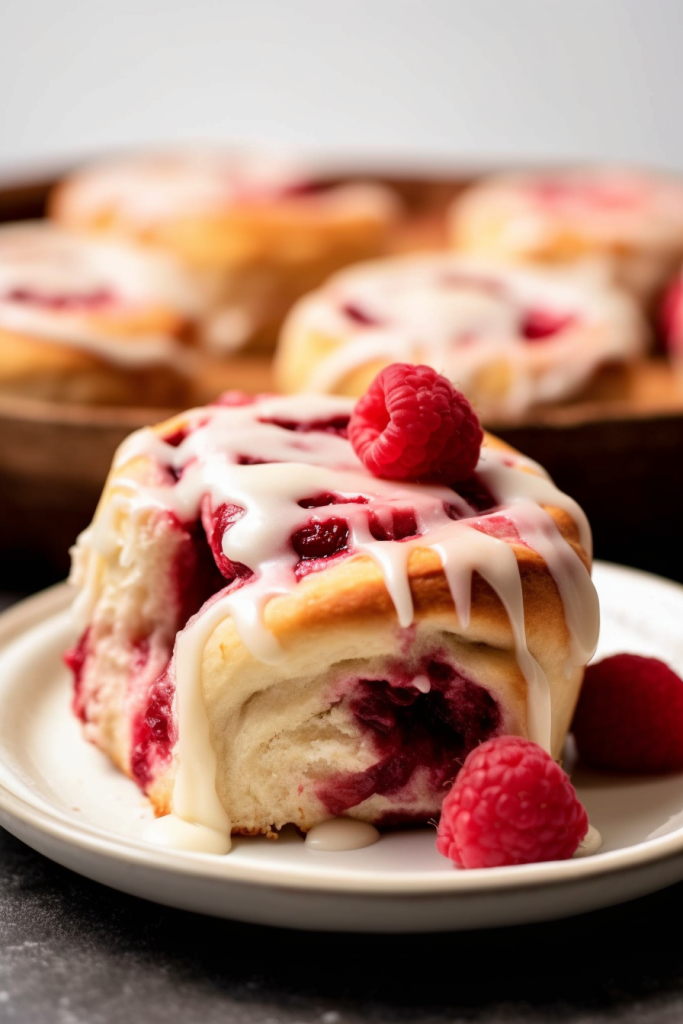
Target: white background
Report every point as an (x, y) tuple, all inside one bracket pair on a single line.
[(418, 80)]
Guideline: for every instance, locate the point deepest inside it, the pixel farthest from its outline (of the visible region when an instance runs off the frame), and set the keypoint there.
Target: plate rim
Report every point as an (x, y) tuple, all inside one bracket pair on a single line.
[(40, 817)]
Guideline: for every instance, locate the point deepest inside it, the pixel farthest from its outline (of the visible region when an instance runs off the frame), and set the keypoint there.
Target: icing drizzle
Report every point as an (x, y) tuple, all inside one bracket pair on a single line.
[(69, 289), (151, 188), (246, 456), (547, 330)]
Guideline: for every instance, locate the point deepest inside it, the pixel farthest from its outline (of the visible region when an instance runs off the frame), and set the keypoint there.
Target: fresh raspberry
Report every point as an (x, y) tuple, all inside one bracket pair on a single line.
[(412, 424), (630, 716), (672, 317), (510, 804)]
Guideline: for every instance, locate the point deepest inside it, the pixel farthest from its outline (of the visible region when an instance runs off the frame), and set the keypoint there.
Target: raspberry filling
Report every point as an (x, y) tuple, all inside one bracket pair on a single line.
[(602, 195), (324, 538), (84, 303), (74, 659), (359, 316), (476, 493), (177, 437), (417, 736), (542, 324), (155, 732), (303, 188), (336, 425), (321, 539), (194, 579), (332, 499), (216, 524)]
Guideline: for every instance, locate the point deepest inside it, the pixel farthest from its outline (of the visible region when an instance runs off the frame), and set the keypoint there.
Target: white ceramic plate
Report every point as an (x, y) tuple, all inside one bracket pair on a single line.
[(63, 798)]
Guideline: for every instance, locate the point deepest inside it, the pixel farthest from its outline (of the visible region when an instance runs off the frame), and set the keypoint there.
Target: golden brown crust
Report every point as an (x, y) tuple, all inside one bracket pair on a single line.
[(59, 372)]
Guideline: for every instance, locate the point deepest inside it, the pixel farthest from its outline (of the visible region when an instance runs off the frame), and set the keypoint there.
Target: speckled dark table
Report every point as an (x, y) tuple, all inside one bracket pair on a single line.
[(74, 952)]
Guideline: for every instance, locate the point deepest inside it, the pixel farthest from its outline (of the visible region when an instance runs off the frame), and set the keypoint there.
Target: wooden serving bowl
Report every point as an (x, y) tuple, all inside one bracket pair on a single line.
[(617, 450)]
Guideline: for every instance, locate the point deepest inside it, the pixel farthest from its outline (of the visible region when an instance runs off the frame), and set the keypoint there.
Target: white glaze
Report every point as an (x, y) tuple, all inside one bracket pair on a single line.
[(465, 317), (306, 465), (175, 833), (155, 187), (590, 844), (603, 205), (41, 258), (152, 188), (337, 835)]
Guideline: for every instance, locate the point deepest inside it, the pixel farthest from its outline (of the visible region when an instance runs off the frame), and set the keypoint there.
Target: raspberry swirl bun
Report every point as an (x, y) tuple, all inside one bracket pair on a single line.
[(272, 635), (509, 337), (97, 322), (260, 232), (631, 221)]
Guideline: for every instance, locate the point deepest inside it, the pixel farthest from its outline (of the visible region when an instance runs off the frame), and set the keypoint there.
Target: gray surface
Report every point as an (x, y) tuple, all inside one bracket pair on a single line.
[(74, 952), (484, 79)]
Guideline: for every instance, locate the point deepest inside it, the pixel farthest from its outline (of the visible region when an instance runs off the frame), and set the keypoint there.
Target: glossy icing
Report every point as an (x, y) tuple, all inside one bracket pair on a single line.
[(590, 844)]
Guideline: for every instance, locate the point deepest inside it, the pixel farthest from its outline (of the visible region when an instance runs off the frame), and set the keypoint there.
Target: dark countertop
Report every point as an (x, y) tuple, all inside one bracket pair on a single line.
[(75, 952)]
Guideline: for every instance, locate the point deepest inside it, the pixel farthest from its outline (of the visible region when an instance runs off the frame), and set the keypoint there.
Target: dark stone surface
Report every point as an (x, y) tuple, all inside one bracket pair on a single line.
[(74, 952)]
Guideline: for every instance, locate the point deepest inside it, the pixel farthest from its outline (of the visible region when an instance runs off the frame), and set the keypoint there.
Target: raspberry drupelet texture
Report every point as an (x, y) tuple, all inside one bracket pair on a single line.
[(510, 804), (630, 716), (412, 424)]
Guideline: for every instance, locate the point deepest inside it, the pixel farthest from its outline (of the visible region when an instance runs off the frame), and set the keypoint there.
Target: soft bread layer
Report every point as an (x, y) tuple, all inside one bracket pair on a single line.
[(278, 737), (54, 372), (136, 606)]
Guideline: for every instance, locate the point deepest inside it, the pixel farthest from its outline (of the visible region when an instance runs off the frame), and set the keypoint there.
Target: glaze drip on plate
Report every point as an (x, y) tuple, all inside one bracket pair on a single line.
[(337, 835), (287, 464)]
